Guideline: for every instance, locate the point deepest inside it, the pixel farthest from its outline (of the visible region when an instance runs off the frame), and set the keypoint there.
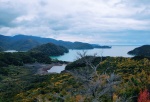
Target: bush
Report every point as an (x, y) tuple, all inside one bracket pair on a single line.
[(144, 96)]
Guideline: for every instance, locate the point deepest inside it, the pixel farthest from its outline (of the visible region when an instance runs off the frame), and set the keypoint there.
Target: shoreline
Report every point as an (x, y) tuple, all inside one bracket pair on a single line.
[(41, 68)]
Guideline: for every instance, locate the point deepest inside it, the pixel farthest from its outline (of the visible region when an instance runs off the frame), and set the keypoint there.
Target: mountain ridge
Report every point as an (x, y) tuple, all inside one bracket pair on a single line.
[(26, 42)]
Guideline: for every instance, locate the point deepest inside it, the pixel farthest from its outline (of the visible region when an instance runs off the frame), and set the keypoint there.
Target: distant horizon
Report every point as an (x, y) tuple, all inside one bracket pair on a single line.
[(84, 42), (81, 41)]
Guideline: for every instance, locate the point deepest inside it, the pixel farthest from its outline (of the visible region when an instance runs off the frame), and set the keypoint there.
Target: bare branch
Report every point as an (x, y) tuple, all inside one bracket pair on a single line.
[(94, 85)]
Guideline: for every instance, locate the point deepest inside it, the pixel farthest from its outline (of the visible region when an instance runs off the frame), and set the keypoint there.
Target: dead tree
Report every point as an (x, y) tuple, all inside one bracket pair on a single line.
[(94, 84)]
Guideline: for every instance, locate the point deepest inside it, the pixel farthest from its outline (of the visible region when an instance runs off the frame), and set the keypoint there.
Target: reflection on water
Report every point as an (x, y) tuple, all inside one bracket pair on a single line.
[(11, 51), (57, 69), (114, 52)]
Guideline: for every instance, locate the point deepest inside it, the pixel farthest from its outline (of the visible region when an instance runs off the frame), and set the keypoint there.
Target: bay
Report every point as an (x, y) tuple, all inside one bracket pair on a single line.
[(115, 51)]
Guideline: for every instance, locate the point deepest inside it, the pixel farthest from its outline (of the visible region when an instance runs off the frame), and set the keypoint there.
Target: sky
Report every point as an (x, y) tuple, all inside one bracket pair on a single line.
[(104, 22)]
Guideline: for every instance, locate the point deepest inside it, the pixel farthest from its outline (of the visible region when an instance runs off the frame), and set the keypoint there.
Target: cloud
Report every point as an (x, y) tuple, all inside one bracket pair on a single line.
[(7, 16), (97, 21)]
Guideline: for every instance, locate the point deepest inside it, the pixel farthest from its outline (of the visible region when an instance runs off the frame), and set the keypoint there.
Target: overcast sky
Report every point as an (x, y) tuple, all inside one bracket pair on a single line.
[(93, 21)]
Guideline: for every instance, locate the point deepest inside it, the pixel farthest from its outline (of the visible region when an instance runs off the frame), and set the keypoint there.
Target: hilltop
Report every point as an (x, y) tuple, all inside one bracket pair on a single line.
[(50, 49)]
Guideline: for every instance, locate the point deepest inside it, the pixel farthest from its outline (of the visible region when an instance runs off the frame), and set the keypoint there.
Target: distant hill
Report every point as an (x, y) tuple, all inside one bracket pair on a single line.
[(50, 49), (141, 51), (24, 43)]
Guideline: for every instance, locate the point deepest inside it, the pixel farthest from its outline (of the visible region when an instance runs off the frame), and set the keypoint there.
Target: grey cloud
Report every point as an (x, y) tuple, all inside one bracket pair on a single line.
[(8, 13), (7, 16), (137, 3), (110, 20), (43, 3)]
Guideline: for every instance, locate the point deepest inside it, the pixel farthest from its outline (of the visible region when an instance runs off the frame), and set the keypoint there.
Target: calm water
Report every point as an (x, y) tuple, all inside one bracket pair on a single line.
[(11, 51), (57, 69), (114, 51)]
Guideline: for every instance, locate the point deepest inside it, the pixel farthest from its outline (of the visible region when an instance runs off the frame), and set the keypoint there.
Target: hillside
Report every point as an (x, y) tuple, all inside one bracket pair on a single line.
[(21, 84), (21, 58), (141, 51), (50, 49), (24, 43), (38, 54)]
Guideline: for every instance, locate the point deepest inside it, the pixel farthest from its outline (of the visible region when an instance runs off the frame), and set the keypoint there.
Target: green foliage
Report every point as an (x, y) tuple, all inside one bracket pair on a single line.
[(20, 58), (135, 74), (40, 57), (19, 84), (10, 59), (133, 71), (80, 63), (18, 79), (4, 71)]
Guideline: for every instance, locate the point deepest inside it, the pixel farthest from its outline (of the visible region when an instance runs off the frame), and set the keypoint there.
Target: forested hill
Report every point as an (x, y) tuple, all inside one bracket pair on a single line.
[(141, 51), (50, 49), (24, 43), (39, 54)]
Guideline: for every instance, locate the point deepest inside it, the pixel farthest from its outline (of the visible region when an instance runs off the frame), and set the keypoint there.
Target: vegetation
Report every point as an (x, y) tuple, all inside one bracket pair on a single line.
[(50, 49), (144, 96), (141, 51), (133, 71), (39, 54), (17, 79), (89, 79), (96, 85), (21, 58), (115, 79)]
